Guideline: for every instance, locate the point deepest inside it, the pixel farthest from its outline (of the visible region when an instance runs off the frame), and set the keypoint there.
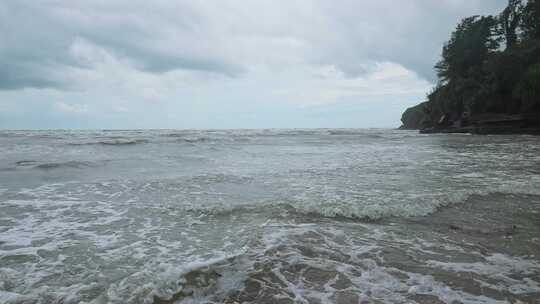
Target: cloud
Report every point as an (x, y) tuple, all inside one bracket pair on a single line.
[(197, 63), (225, 37), (119, 109), (20, 75), (70, 108), (331, 85), (33, 53)]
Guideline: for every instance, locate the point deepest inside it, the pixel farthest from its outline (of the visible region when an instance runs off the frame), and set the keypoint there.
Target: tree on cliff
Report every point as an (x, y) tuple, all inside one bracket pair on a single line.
[(510, 19), (477, 78), (531, 20), (467, 48)]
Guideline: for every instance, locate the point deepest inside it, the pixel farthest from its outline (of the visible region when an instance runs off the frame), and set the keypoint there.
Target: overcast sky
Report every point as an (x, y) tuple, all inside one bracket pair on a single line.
[(220, 64)]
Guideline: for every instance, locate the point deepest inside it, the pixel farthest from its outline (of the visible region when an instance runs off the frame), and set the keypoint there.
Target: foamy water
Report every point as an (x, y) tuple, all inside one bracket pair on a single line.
[(268, 216)]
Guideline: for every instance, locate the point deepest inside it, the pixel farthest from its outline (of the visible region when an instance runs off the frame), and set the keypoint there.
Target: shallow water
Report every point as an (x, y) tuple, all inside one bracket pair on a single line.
[(268, 216)]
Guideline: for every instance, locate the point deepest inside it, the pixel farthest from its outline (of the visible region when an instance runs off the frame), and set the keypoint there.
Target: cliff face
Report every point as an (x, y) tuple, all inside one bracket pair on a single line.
[(415, 118)]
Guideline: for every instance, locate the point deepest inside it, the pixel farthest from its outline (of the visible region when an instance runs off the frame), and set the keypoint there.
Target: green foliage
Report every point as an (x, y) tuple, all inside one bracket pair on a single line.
[(477, 77), (510, 19), (528, 89), (468, 47), (531, 20)]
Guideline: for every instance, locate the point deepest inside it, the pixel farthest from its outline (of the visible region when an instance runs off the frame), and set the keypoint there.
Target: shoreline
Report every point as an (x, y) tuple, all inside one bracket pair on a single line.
[(483, 124), (481, 130), (484, 250)]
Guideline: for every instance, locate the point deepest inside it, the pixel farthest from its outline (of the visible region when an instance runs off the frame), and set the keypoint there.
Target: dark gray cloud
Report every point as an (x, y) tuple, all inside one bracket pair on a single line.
[(227, 38), (21, 75), (410, 33), (37, 40)]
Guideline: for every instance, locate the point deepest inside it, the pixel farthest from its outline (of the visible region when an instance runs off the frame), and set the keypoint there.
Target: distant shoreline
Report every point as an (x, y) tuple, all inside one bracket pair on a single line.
[(483, 131), (486, 124)]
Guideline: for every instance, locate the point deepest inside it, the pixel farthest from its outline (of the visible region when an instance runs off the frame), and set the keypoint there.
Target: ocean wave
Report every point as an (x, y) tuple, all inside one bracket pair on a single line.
[(377, 211), (236, 209), (361, 133), (299, 209), (123, 142), (7, 134), (20, 164), (68, 164), (355, 209), (189, 136), (113, 142), (200, 280), (192, 140), (25, 163), (30, 134)]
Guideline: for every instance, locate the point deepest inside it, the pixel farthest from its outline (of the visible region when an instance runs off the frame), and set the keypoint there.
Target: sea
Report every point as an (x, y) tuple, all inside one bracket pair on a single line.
[(268, 216)]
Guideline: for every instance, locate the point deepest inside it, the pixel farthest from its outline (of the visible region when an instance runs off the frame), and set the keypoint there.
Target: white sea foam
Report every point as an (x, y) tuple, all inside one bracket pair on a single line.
[(427, 285), (502, 268), (278, 208)]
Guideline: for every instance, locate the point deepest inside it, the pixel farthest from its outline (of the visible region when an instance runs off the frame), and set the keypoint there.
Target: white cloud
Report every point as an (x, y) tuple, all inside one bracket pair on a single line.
[(70, 108), (184, 60), (120, 109)]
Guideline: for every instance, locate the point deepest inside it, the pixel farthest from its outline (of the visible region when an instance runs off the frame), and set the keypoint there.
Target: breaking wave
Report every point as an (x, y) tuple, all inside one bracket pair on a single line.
[(113, 142), (68, 164), (24, 163), (193, 139), (353, 210), (123, 142)]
